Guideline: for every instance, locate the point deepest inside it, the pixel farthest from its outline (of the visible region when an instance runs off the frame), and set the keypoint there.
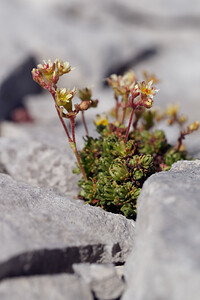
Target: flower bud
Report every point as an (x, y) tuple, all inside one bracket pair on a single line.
[(85, 94), (94, 103), (182, 119), (84, 105), (38, 77), (194, 126), (148, 102)]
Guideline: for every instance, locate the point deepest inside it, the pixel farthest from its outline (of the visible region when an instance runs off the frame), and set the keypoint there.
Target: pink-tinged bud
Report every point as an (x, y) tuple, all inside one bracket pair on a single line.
[(194, 126), (85, 105), (148, 102), (35, 74), (38, 77)]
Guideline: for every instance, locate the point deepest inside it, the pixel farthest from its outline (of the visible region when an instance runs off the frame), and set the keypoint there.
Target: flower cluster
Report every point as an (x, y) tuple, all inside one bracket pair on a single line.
[(49, 72), (146, 92), (122, 85)]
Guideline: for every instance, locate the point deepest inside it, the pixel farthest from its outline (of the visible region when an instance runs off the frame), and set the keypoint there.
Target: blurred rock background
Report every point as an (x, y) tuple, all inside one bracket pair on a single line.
[(103, 37), (98, 37)]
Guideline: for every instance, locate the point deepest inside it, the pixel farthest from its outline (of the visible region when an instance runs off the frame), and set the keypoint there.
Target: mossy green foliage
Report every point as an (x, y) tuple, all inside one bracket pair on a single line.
[(116, 170)]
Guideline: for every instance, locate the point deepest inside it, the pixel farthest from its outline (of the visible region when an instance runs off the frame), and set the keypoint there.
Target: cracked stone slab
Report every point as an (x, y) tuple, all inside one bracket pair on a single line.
[(166, 261), (59, 287), (42, 232), (102, 279)]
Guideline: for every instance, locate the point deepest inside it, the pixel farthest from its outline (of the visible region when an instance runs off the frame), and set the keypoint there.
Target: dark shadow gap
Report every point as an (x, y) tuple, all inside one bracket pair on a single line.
[(45, 261)]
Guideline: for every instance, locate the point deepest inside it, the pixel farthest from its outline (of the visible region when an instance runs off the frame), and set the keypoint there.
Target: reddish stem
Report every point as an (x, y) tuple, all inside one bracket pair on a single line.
[(134, 106), (117, 108), (180, 140), (73, 140), (63, 124), (129, 125), (84, 123), (124, 114), (72, 120), (53, 93)]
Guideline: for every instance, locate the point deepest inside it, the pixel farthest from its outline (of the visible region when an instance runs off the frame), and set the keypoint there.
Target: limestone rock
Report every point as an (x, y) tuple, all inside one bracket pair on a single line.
[(40, 164), (102, 279), (42, 232), (57, 287), (166, 261)]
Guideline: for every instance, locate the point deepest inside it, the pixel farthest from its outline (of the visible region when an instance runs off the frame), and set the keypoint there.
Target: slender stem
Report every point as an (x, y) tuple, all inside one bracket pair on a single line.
[(53, 93), (129, 125), (180, 140), (71, 140), (84, 123), (80, 165), (63, 124), (72, 120), (117, 108), (124, 114)]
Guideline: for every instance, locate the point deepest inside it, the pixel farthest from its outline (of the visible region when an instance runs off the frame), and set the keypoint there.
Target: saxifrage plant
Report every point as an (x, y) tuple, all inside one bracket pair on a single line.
[(115, 165)]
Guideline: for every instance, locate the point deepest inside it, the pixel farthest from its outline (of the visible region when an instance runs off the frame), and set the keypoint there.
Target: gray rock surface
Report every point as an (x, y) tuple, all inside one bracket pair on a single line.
[(166, 259), (42, 232), (57, 287), (102, 279), (40, 164)]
